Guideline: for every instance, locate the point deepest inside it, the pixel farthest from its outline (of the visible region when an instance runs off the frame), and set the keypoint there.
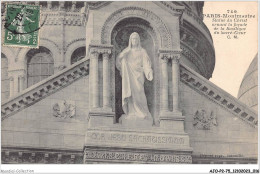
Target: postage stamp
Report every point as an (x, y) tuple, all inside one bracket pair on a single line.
[(22, 23)]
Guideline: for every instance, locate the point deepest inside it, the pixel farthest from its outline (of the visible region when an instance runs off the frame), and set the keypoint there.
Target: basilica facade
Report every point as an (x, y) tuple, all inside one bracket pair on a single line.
[(62, 102)]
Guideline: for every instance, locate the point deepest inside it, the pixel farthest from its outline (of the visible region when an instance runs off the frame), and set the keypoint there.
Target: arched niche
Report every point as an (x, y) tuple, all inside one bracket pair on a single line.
[(149, 41), (162, 33), (40, 65), (78, 54)]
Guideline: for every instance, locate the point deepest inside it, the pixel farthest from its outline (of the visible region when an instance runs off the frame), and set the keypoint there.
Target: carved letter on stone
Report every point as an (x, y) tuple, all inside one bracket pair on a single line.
[(64, 109), (203, 120)]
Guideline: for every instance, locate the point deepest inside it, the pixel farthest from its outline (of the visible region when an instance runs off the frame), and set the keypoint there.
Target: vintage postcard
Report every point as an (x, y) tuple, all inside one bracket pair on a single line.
[(129, 82)]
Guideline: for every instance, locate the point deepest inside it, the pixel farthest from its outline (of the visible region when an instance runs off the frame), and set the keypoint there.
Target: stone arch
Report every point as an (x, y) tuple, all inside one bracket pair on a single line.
[(162, 33), (44, 42), (9, 54), (72, 46), (39, 65)]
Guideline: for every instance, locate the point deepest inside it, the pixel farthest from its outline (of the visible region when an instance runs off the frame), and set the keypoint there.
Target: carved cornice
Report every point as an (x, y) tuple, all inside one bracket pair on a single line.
[(172, 8), (217, 95), (68, 18), (189, 12), (40, 156), (44, 88)]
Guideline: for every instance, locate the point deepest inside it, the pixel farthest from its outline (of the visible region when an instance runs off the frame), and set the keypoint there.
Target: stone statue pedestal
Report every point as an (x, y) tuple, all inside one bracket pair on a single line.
[(129, 122), (134, 141), (172, 121)]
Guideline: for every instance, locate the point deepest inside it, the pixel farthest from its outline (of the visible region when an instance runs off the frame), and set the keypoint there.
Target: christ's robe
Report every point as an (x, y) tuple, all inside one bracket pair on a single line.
[(134, 66)]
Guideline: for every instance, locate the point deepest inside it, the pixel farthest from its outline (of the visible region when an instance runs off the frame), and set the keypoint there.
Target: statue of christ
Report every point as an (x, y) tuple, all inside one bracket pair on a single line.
[(134, 65)]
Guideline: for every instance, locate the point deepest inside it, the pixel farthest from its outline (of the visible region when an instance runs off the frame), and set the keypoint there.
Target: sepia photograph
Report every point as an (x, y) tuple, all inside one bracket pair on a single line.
[(129, 82)]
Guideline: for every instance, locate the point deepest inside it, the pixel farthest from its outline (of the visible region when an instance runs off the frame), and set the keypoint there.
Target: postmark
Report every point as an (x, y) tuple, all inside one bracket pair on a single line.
[(22, 24)]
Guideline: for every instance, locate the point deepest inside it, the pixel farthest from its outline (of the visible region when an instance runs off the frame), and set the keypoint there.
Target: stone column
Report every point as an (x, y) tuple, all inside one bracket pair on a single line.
[(106, 81), (165, 83), (21, 83), (49, 6), (11, 80), (94, 78), (175, 81), (16, 85)]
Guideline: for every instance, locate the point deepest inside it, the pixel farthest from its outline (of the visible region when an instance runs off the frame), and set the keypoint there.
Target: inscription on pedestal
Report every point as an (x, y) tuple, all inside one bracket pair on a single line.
[(133, 138), (135, 157)]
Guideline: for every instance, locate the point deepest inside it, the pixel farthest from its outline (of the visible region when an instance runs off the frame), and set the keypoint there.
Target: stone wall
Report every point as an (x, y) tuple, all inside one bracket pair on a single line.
[(228, 136), (36, 127)]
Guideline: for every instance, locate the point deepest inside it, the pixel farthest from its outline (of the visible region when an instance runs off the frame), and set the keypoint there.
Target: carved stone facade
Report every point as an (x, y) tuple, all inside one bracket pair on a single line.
[(58, 19), (204, 120), (73, 116)]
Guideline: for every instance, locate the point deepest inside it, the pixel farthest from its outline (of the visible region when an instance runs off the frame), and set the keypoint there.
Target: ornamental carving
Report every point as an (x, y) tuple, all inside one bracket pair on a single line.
[(156, 22), (204, 120), (40, 157), (64, 109), (90, 155)]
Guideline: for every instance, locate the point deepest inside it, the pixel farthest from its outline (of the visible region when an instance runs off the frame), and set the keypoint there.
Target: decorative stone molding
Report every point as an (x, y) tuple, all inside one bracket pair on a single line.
[(52, 42), (133, 157), (74, 41), (100, 48), (172, 8), (217, 95), (64, 109), (174, 55), (44, 88), (194, 58), (221, 159), (204, 120), (53, 18), (204, 51), (43, 156), (160, 28)]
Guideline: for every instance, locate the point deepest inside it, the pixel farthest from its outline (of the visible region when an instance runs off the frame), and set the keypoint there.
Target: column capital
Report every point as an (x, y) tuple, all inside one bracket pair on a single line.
[(171, 54), (100, 48), (21, 76), (105, 56), (11, 78), (165, 57)]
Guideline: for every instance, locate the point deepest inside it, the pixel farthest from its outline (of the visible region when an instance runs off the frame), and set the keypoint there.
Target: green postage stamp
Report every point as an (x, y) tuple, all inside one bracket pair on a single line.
[(22, 23)]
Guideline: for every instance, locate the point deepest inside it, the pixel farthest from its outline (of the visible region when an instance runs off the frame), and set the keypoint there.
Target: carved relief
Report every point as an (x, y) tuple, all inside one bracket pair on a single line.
[(64, 109), (15, 157), (159, 26), (135, 157), (204, 120)]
